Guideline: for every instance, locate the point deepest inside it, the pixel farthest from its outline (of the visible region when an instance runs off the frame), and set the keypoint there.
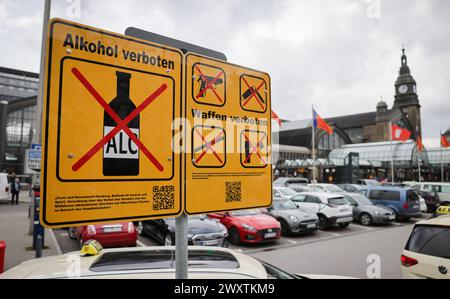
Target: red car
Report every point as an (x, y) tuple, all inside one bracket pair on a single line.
[(249, 226), (109, 235)]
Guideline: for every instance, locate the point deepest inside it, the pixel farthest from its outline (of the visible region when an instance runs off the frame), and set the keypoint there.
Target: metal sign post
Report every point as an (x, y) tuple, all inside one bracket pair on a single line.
[(37, 138), (181, 247)]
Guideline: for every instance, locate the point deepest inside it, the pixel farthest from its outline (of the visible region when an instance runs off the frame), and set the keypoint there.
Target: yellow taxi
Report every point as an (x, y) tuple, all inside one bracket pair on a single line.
[(443, 210)]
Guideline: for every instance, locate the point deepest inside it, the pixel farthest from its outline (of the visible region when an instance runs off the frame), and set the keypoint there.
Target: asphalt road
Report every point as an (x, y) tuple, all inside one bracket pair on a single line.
[(345, 255)]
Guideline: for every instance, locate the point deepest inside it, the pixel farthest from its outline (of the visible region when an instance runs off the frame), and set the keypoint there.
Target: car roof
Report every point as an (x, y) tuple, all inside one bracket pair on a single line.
[(443, 220), (57, 266), (388, 188), (323, 194)]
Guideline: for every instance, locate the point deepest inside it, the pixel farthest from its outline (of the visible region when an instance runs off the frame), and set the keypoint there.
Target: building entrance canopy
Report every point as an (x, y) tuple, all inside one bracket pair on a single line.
[(404, 154)]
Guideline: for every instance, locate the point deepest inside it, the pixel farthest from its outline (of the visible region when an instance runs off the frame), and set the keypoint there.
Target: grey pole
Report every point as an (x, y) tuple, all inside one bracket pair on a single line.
[(3, 122), (37, 137), (181, 247)]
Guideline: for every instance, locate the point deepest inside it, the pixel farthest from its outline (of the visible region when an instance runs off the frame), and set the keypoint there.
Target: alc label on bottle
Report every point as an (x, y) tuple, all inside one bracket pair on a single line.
[(121, 146)]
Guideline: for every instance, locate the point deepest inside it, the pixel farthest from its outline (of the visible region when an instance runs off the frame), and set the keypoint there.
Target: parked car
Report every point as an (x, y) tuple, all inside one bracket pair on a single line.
[(442, 189), (249, 226), (202, 231), (403, 201), (439, 190), (330, 208), (4, 187), (300, 188), (350, 187), (283, 192), (427, 252), (366, 182), (292, 218), (365, 212), (154, 263), (326, 188), (285, 182), (443, 210), (423, 205), (108, 235)]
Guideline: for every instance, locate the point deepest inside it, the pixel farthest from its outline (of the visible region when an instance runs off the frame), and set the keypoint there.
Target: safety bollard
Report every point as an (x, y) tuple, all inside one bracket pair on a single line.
[(39, 246)]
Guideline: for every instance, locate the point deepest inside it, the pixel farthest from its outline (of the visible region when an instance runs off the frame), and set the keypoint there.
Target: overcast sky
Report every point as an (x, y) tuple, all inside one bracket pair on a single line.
[(340, 55)]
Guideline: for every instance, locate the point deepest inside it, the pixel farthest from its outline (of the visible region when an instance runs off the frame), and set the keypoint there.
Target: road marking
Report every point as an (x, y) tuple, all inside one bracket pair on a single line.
[(140, 244), (64, 235), (291, 241), (362, 226), (55, 242)]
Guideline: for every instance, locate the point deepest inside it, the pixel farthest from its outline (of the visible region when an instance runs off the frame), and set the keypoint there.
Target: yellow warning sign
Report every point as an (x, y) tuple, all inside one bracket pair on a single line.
[(109, 107), (229, 122)]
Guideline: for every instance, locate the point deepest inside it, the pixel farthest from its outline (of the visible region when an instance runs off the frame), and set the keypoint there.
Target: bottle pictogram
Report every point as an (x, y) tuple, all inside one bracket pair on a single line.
[(120, 154)]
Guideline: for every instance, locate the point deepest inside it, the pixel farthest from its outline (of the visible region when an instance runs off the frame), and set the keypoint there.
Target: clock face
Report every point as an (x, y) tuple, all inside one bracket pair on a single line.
[(402, 88)]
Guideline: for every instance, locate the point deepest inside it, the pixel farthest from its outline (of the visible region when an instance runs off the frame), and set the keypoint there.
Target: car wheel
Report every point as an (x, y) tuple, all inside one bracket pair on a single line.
[(346, 224), (168, 240), (365, 219), (140, 228), (284, 227), (235, 239), (323, 222)]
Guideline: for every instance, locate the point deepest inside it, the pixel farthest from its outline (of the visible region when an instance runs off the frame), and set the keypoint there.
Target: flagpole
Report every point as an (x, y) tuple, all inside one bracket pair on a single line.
[(392, 152), (313, 149), (418, 163), (442, 162)]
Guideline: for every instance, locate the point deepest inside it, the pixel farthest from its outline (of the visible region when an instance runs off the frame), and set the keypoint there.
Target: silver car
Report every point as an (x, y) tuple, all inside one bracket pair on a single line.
[(291, 218), (365, 212)]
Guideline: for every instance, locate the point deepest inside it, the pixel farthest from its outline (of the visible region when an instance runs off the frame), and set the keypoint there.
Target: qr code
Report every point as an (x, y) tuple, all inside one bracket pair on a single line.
[(163, 197), (233, 191)]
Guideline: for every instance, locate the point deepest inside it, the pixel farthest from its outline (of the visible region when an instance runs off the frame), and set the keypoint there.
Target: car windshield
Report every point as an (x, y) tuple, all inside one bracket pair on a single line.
[(280, 181), (287, 191), (361, 200), (333, 188), (275, 273), (283, 205), (245, 212)]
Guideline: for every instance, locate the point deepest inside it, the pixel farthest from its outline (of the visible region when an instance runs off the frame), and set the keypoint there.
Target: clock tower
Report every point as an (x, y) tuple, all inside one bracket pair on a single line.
[(406, 97)]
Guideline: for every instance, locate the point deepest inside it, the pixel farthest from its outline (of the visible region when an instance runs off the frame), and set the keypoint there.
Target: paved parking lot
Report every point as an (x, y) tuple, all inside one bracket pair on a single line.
[(331, 233)]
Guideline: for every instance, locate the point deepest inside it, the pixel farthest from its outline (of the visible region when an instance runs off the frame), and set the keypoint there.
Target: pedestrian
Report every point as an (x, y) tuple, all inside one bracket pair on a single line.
[(15, 190)]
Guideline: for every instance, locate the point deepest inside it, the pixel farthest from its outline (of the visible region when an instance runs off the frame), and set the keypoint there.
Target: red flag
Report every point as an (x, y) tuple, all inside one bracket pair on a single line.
[(275, 117), (419, 144), (444, 142), (399, 133), (321, 124)]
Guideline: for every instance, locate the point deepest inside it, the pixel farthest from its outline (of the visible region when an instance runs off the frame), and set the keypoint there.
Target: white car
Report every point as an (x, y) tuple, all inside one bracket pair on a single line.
[(283, 192), (331, 208), (4, 186), (151, 263), (423, 205), (427, 253), (326, 188)]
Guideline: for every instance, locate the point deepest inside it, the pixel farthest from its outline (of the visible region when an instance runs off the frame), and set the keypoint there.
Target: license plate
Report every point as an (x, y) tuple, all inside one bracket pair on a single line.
[(209, 242), (344, 220), (270, 235), (311, 225), (112, 229), (392, 217)]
